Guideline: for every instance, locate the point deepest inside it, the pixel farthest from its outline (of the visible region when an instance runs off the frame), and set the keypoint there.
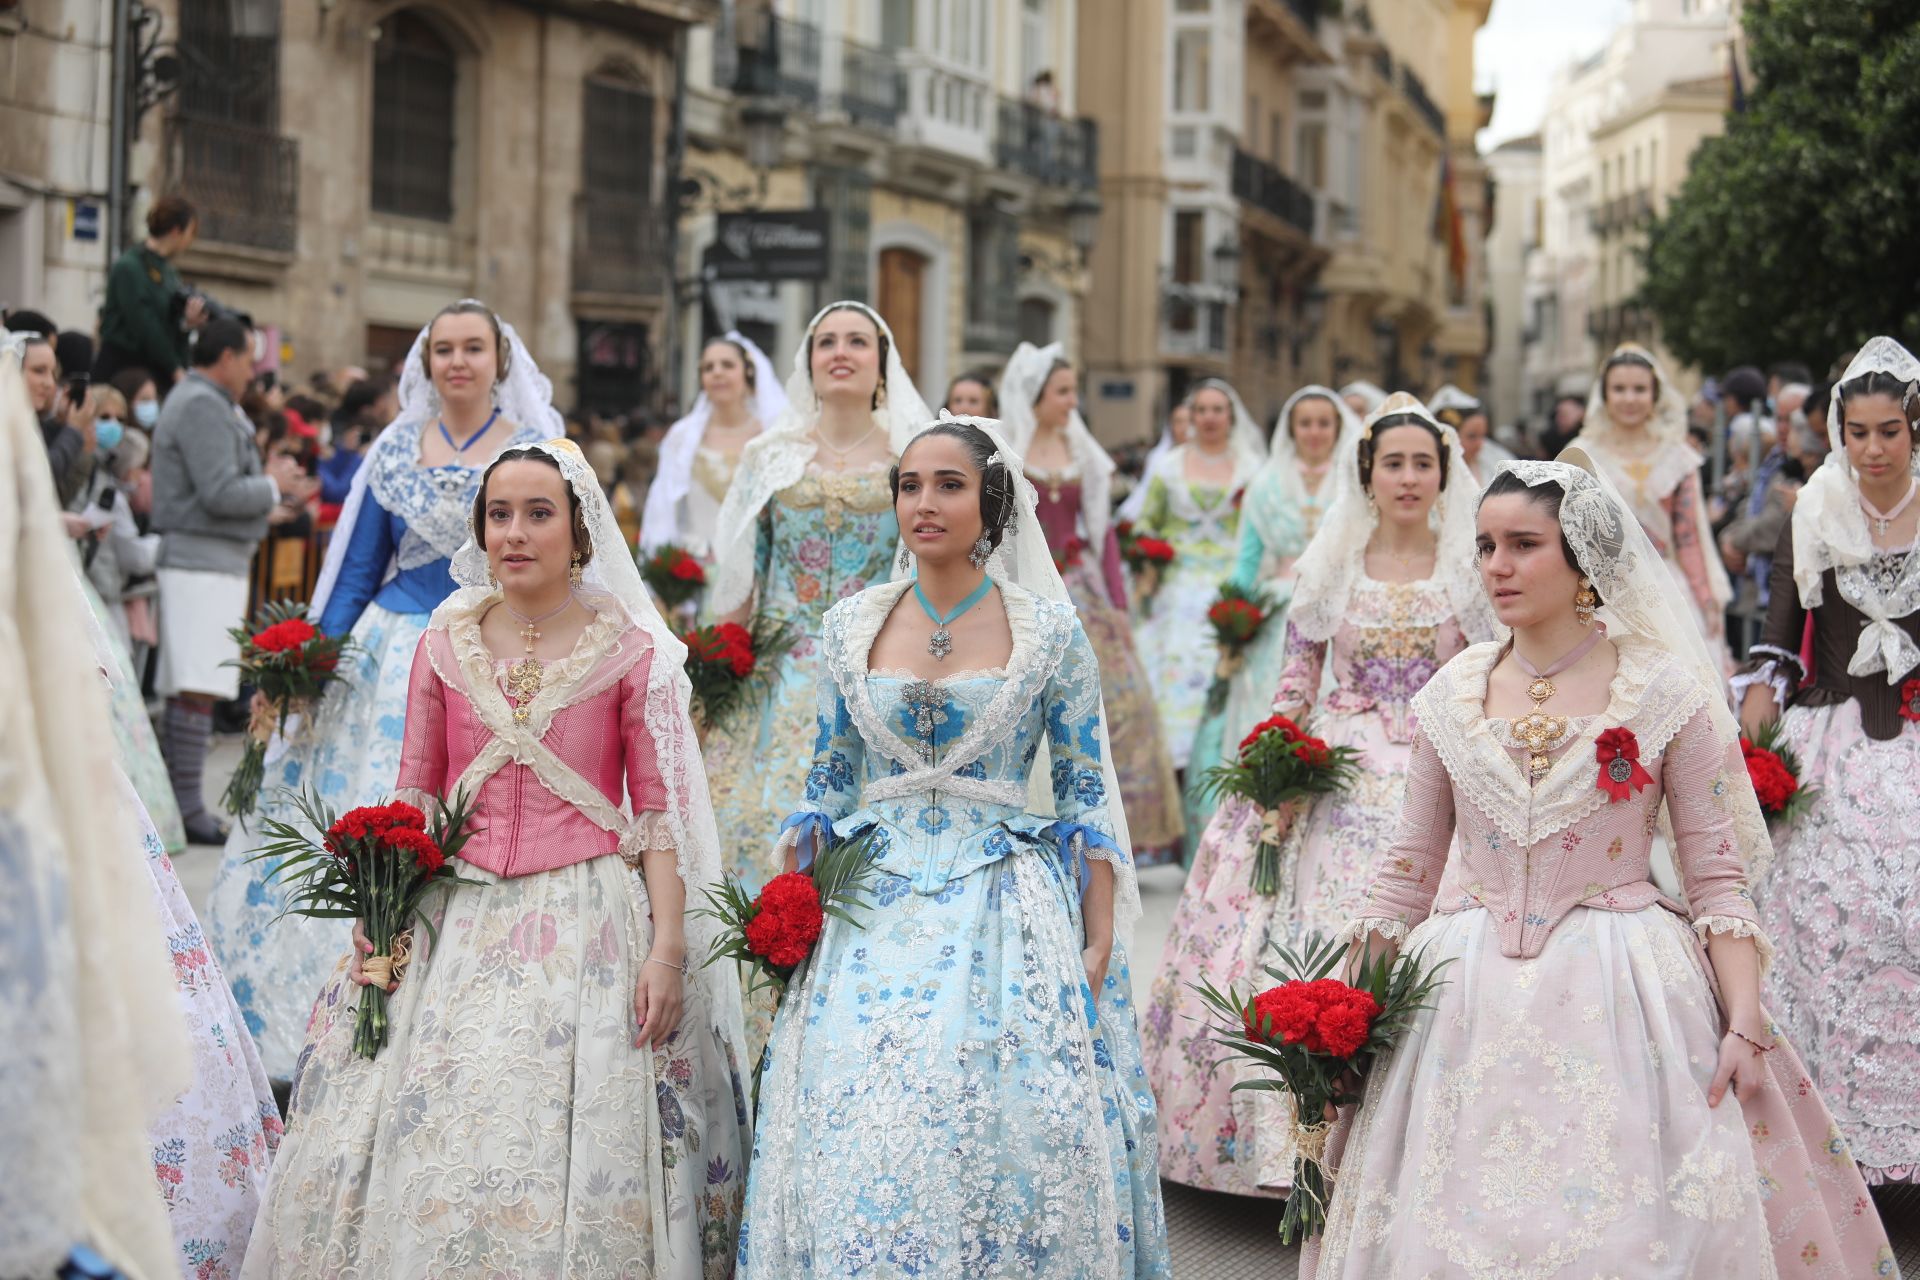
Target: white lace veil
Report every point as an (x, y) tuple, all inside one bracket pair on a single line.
[(660, 523), (778, 457), (1020, 385), (95, 1049), (1373, 395), (1266, 503), (1248, 443), (611, 578), (1336, 559), (1830, 529), (524, 397), (1641, 598), (1023, 559)]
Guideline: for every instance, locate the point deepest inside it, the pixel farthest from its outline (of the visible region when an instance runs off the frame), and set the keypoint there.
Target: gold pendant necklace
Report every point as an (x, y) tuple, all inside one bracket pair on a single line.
[(523, 685), (1537, 731)]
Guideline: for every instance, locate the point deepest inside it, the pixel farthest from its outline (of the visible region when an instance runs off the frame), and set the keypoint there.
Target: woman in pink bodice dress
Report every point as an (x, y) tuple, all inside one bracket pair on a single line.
[(1596, 1089), (562, 1091)]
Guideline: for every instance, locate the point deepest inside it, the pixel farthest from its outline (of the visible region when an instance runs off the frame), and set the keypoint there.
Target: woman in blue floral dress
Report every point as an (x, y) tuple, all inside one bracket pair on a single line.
[(954, 1084), (469, 389)]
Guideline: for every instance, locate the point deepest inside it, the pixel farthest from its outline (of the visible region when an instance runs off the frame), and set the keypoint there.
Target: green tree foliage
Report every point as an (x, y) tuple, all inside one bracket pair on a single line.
[(1797, 232)]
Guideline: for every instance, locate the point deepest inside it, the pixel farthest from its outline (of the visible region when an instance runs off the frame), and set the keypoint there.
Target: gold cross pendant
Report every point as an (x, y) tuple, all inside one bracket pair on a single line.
[(528, 634)]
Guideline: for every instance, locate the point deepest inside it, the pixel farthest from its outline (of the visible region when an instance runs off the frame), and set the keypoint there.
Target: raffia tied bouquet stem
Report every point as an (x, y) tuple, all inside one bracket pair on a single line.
[(376, 864), (1313, 1036), (1237, 617), (1278, 764), (291, 662)]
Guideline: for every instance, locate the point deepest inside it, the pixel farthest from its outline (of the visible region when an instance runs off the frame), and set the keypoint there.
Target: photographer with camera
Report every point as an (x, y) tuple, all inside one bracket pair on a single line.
[(66, 416), (148, 311)]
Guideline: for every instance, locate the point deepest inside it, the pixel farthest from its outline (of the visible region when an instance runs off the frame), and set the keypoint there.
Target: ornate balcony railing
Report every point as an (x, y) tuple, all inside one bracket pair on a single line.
[(873, 87), (245, 181), (1058, 151), (780, 59), (1265, 187), (620, 245), (1422, 102)]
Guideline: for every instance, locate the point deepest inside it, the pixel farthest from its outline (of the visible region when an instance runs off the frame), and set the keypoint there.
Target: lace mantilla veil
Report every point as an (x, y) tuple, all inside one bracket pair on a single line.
[(524, 396), (96, 1050), (1373, 395), (1283, 462), (1248, 443), (612, 579), (778, 457), (1026, 374), (1336, 559), (1830, 530), (1640, 598), (660, 524), (1024, 559)]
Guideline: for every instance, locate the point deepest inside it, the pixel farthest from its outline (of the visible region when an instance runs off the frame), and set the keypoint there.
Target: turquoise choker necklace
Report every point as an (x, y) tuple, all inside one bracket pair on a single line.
[(940, 644)]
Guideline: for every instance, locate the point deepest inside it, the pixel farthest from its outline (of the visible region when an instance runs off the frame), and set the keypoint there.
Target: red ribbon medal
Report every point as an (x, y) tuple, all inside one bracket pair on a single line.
[(1620, 773)]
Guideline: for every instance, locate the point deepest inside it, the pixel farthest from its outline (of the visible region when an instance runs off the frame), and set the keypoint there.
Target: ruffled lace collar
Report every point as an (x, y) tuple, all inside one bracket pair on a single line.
[(1651, 693)]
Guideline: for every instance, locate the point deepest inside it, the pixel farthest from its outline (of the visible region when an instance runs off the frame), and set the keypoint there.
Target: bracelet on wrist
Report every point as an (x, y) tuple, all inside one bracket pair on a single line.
[(671, 965), (1757, 1046)]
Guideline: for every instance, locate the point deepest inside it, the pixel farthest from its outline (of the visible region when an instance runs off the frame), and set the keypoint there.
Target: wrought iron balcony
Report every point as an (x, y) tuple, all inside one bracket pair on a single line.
[(873, 87), (245, 181), (1423, 104), (1265, 187), (1058, 151), (620, 245)]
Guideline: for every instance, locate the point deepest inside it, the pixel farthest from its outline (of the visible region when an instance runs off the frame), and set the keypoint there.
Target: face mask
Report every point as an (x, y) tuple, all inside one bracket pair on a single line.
[(146, 412), (106, 435)]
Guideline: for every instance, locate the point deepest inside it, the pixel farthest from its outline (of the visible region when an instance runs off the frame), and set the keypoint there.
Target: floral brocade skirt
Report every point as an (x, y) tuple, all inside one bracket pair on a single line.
[(349, 754), (510, 1127), (944, 1097), (1547, 1119), (1842, 906), (1141, 763), (1176, 644)]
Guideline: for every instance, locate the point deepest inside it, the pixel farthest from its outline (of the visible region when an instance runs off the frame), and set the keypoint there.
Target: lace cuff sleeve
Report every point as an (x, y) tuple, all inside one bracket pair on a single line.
[(420, 799), (1356, 930), (1773, 667), (649, 832), (1736, 927)]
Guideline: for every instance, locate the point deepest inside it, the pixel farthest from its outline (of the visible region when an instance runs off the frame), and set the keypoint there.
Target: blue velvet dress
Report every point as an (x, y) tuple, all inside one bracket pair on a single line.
[(944, 1095), (396, 571)]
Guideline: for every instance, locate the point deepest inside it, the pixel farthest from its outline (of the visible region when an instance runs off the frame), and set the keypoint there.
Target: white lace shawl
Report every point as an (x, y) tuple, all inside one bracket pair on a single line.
[(95, 1049), (1021, 384), (1248, 443), (778, 458), (1336, 559), (1041, 630), (524, 397), (1830, 532), (1279, 484), (660, 523)]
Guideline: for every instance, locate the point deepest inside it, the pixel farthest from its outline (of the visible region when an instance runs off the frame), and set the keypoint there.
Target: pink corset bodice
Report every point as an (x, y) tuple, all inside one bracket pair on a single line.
[(530, 816)]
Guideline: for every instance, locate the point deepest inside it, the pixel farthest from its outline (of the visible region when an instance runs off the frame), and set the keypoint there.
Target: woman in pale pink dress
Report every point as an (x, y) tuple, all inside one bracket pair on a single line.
[(1595, 1089), (1385, 593)]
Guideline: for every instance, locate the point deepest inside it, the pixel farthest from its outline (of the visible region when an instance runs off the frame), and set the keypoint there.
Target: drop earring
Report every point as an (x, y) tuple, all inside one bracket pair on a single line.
[(906, 560), (1585, 601), (574, 572), (982, 548)]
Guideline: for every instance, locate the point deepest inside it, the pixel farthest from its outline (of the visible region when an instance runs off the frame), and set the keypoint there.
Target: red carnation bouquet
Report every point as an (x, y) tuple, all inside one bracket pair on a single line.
[(1237, 617), (1147, 558), (291, 663), (1775, 771), (672, 574), (1313, 1036), (1277, 763), (1070, 556), (727, 664), (773, 933), (376, 864)]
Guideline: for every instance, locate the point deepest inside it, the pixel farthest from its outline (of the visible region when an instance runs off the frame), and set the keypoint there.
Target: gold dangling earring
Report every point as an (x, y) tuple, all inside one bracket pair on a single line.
[(1585, 601), (574, 571)]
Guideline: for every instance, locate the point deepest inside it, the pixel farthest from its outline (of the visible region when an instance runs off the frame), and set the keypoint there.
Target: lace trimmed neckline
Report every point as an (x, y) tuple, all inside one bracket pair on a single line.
[(951, 677)]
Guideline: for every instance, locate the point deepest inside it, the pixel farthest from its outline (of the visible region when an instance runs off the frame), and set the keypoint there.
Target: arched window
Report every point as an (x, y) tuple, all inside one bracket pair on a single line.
[(414, 81)]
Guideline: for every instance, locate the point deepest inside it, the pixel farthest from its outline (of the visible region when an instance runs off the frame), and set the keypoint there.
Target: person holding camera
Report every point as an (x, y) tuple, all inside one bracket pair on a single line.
[(148, 311), (65, 412), (212, 499)]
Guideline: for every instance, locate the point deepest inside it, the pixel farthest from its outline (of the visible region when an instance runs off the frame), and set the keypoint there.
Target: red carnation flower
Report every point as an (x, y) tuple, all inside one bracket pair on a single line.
[(1910, 699), (1314, 751), (788, 921), (1344, 1027), (1154, 549), (290, 633), (687, 569), (1773, 785), (1287, 728)]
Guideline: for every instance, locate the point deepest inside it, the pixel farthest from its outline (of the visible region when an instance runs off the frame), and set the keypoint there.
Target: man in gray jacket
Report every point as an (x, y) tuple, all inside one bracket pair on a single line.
[(211, 499)]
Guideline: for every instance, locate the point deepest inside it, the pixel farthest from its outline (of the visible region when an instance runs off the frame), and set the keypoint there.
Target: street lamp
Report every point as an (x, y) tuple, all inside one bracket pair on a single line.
[(765, 126), (1083, 222), (1226, 263)]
